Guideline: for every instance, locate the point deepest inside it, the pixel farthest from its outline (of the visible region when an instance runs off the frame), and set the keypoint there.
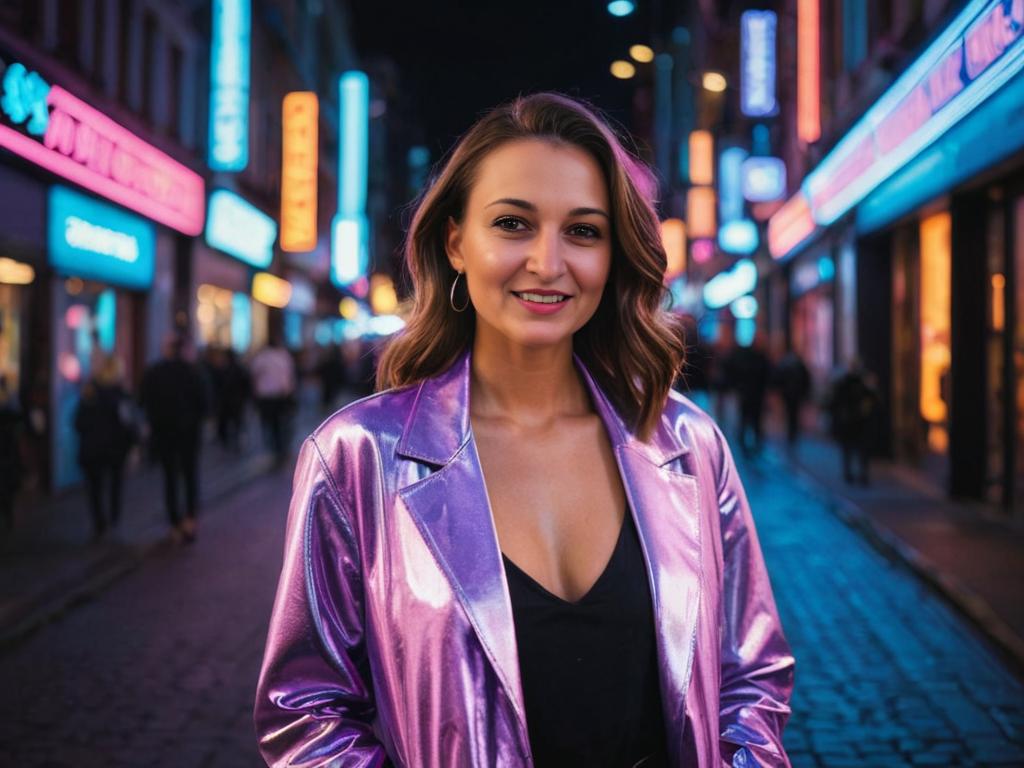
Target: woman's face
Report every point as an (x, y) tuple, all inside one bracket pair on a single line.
[(535, 242)]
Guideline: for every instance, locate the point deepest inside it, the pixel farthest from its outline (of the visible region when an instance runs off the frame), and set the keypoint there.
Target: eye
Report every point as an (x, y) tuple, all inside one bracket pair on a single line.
[(585, 230), (508, 223)]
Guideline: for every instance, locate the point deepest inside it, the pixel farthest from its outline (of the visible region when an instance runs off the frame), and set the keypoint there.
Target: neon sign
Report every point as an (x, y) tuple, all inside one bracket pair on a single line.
[(730, 183), (90, 239), (790, 226), (726, 287), (48, 126), (764, 179), (757, 86), (738, 236), (350, 231), (299, 171), (229, 85), (808, 71), (979, 52), (239, 228)]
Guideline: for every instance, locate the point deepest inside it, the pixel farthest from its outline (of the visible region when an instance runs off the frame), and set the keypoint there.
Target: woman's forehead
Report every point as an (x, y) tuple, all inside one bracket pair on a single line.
[(542, 174)]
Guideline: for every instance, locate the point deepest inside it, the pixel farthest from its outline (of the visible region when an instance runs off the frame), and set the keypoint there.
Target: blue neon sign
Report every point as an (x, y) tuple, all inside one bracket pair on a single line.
[(350, 232), (725, 287), (354, 98), (730, 183), (738, 236), (24, 98), (98, 241), (238, 227), (757, 62), (764, 179), (350, 256), (229, 85)]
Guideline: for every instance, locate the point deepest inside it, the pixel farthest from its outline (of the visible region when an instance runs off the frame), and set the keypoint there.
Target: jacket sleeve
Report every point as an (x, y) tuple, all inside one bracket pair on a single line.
[(757, 664), (314, 702)]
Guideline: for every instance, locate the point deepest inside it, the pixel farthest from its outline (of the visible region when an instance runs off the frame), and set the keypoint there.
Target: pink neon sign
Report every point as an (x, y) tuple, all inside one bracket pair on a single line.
[(85, 146)]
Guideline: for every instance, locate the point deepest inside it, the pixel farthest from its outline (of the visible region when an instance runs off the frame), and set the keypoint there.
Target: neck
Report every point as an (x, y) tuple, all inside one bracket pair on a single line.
[(528, 387)]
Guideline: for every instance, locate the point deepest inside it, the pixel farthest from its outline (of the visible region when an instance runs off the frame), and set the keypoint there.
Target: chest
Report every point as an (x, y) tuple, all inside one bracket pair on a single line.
[(557, 501)]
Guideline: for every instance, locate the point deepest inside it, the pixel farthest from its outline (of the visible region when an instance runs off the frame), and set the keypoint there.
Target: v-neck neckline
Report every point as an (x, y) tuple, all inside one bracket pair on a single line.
[(601, 577)]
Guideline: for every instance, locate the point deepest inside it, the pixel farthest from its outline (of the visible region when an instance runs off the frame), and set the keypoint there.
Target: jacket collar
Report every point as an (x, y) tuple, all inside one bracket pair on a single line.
[(439, 423)]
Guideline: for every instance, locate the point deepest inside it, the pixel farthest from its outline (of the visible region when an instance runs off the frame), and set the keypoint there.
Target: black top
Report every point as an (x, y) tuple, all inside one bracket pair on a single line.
[(589, 669)]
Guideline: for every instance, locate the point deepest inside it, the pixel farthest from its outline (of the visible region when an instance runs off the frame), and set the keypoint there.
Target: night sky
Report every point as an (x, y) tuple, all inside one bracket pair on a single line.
[(457, 59)]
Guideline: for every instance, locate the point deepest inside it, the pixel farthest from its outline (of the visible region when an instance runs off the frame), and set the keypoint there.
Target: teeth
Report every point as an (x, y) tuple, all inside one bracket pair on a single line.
[(536, 297)]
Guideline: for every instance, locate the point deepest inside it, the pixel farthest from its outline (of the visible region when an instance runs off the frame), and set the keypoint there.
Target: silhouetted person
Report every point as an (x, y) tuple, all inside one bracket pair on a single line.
[(175, 399), (10, 454), (106, 430), (234, 386), (273, 385), (853, 403), (333, 375), (793, 382), (748, 370)]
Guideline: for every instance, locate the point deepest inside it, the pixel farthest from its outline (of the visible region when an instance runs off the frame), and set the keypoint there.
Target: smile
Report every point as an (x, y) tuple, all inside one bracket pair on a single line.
[(539, 299)]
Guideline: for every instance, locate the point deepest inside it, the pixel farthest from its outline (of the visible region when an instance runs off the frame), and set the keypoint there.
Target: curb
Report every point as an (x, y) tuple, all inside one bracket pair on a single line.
[(101, 574), (1007, 644)]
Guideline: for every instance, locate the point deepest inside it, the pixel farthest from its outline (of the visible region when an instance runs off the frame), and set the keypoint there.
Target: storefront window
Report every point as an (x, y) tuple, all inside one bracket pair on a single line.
[(213, 315), (10, 336), (934, 392), (995, 351), (1018, 349)]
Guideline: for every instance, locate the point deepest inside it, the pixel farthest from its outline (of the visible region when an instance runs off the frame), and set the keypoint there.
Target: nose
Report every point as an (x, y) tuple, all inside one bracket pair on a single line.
[(545, 258)]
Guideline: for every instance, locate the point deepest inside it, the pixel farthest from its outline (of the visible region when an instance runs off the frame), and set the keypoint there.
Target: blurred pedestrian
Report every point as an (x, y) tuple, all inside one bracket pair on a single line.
[(175, 399), (748, 369), (853, 403), (793, 382), (234, 386), (333, 375), (107, 429), (10, 452), (273, 385)]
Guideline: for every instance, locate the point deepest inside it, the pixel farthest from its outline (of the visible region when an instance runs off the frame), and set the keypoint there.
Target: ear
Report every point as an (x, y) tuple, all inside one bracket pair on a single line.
[(453, 245)]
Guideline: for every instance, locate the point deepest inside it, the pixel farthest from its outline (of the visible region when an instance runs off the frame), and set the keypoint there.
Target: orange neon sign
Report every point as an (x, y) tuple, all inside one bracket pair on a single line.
[(299, 118), (700, 212), (702, 157), (808, 65)]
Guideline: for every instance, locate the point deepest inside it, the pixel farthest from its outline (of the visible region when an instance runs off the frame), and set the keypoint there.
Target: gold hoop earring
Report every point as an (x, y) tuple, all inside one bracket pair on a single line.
[(451, 295)]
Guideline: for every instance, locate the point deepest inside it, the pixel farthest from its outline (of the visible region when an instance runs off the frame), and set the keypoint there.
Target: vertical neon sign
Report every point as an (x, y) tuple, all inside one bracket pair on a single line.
[(757, 86), (350, 229), (229, 85), (808, 65), (298, 171)]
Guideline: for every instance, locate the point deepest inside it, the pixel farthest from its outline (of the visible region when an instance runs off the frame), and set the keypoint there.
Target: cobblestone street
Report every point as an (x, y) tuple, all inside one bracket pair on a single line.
[(160, 669)]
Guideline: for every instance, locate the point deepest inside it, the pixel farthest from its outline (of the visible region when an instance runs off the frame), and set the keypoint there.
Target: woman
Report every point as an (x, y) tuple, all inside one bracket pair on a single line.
[(527, 550)]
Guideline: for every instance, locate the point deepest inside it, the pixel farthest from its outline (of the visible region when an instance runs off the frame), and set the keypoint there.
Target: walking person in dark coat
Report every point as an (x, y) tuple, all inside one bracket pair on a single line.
[(105, 427), (234, 388), (793, 382), (175, 400), (748, 369), (854, 403), (10, 453)]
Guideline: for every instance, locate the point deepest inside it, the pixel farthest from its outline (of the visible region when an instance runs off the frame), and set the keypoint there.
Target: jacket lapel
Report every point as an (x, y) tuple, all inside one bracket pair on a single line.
[(452, 511), (665, 504)]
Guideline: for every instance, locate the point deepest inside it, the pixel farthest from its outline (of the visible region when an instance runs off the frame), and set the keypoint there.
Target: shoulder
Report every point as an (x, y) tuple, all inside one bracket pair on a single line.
[(375, 419), (693, 426)]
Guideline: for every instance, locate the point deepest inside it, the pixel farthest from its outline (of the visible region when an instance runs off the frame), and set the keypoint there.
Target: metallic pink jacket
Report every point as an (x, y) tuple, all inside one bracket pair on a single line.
[(391, 640)]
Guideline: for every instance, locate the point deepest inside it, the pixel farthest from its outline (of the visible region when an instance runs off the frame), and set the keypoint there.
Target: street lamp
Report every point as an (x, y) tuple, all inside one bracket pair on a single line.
[(641, 53), (623, 69), (714, 82)]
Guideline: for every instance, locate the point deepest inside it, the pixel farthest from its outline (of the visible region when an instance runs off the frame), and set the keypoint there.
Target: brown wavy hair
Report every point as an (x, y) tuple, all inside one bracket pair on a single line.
[(631, 345)]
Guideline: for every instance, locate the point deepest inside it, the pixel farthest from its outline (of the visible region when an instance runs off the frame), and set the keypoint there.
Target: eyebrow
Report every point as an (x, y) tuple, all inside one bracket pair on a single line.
[(528, 206)]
